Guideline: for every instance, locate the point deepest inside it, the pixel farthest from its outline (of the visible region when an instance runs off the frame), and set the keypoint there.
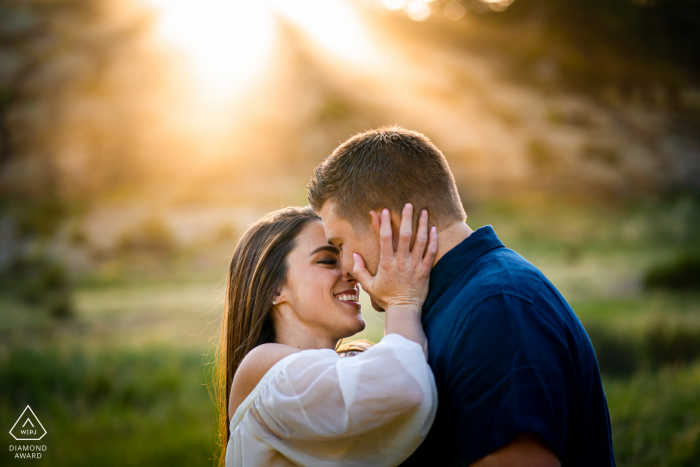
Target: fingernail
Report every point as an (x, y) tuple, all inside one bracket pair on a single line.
[(424, 213), (385, 211), (409, 205), (354, 256), (434, 230)]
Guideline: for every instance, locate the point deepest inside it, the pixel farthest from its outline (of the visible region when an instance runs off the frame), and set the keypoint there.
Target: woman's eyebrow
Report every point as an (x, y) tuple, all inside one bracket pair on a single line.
[(330, 248)]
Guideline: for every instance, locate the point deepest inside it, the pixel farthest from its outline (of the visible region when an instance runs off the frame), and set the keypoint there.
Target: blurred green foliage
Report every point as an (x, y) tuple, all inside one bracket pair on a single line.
[(39, 281), (618, 354), (643, 49), (659, 343), (655, 417), (31, 273), (152, 236), (111, 407), (672, 343), (681, 274), (38, 217)]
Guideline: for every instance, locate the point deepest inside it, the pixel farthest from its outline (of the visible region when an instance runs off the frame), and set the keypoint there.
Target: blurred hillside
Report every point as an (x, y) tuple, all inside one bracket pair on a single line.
[(539, 97), (533, 98)]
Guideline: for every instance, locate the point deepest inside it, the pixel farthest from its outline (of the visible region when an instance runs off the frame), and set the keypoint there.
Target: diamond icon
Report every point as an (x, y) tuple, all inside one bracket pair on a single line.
[(28, 427)]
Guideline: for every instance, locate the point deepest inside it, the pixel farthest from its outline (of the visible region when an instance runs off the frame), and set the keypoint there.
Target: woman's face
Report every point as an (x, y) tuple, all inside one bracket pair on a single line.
[(316, 296)]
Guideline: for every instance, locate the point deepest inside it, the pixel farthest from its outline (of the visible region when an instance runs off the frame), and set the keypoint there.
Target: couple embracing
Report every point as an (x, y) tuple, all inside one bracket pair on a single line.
[(482, 362)]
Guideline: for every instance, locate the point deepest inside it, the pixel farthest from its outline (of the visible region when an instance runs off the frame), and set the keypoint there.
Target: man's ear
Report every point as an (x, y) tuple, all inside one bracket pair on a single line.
[(395, 227), (375, 220), (395, 223)]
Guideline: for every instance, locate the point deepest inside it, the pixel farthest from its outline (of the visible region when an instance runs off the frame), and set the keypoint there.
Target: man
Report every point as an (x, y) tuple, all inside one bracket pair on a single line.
[(518, 381)]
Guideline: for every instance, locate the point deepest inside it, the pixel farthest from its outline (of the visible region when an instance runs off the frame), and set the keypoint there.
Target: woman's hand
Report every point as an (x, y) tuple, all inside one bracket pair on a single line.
[(402, 275)]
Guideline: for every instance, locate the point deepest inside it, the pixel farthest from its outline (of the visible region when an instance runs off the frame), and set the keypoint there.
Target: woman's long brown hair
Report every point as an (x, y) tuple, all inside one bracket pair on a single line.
[(257, 273)]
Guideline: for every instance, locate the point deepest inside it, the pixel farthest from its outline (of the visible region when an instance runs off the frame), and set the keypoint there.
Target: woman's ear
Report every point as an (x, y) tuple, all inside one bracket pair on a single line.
[(281, 297)]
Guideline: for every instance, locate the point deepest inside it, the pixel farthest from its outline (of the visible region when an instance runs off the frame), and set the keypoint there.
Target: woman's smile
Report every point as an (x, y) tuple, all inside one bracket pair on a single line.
[(349, 297)]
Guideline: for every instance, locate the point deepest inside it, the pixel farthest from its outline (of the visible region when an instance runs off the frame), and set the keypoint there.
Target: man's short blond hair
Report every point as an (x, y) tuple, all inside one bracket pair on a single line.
[(387, 167)]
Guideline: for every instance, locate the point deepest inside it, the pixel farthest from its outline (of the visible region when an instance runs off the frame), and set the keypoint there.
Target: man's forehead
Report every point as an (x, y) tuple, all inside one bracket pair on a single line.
[(329, 208), (335, 225), (330, 214)]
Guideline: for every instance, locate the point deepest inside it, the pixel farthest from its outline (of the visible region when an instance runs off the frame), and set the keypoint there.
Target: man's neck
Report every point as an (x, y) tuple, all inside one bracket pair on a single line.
[(451, 237)]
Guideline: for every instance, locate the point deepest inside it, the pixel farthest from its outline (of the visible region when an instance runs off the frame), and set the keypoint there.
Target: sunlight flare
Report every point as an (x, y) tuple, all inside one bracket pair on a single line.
[(228, 42), (333, 24)]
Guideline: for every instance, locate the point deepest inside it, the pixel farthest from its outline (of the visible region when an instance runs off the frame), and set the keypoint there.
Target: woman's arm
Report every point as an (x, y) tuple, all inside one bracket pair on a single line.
[(315, 394), (405, 320)]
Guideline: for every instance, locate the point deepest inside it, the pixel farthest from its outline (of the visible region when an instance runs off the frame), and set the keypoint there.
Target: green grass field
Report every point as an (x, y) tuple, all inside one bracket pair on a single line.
[(125, 381)]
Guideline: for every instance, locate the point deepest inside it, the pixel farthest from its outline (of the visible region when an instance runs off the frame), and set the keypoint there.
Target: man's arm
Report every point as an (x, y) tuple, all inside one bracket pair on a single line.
[(526, 450), (509, 374)]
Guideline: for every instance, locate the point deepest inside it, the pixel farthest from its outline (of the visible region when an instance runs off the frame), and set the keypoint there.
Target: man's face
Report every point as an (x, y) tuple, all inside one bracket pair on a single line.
[(360, 238)]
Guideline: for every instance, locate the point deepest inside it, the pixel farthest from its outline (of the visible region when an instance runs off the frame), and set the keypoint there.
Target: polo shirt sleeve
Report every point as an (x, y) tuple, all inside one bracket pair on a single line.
[(509, 371)]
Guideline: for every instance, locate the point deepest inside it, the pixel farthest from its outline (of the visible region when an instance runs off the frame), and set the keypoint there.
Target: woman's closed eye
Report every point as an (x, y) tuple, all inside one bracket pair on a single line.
[(326, 255)]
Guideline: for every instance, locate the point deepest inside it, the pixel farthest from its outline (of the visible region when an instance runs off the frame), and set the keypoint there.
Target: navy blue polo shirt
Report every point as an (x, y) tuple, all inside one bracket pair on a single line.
[(509, 355)]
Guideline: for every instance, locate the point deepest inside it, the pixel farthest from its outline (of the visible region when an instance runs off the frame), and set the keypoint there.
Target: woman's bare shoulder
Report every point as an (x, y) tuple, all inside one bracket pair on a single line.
[(253, 368), (261, 359)]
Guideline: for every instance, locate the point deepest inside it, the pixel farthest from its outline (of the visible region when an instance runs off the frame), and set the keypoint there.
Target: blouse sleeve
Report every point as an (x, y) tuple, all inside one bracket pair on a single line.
[(318, 409)]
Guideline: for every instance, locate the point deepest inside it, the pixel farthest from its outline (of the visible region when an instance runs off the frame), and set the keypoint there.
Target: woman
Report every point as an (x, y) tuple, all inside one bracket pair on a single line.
[(285, 395)]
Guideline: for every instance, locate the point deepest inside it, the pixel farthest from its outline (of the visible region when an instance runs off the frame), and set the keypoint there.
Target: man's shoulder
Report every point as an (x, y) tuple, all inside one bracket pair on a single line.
[(498, 283), (500, 271), (504, 260)]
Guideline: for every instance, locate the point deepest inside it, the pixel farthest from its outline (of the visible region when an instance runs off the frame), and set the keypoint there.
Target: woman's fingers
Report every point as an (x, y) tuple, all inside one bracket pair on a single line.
[(402, 275), (421, 237), (431, 252), (419, 254), (405, 231), (360, 272)]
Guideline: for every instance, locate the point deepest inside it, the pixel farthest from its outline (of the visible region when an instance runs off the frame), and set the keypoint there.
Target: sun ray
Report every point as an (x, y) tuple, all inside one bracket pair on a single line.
[(226, 43)]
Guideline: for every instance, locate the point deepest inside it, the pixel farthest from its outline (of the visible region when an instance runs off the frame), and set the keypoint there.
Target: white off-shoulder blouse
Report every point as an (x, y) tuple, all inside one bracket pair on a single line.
[(314, 408)]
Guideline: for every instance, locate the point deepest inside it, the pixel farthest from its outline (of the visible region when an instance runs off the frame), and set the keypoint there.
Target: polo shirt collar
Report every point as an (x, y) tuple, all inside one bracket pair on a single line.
[(457, 260)]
